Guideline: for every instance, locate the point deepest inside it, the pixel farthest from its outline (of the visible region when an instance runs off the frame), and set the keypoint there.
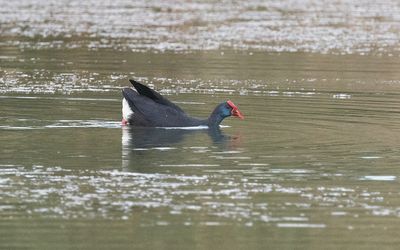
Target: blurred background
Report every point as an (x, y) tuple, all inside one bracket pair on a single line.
[(66, 46)]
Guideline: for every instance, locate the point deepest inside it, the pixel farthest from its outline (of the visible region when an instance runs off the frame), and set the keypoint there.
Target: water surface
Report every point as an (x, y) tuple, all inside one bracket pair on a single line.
[(314, 163)]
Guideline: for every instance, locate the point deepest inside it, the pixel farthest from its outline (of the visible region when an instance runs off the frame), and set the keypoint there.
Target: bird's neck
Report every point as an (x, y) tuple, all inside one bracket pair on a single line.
[(215, 118)]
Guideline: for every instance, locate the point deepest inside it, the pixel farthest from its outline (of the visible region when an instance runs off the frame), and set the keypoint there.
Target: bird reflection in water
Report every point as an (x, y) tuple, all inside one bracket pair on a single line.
[(143, 148)]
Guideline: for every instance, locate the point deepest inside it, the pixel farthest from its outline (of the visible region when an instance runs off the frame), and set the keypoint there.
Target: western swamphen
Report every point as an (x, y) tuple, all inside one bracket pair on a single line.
[(146, 108)]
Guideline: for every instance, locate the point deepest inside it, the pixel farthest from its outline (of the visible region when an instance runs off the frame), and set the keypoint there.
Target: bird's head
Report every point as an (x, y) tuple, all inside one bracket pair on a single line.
[(234, 111), (227, 109)]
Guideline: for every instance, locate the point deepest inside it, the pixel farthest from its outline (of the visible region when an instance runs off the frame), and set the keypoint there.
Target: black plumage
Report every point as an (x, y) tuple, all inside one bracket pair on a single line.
[(151, 109)]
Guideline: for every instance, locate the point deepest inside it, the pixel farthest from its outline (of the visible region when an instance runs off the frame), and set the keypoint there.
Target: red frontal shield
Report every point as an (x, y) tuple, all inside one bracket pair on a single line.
[(235, 111)]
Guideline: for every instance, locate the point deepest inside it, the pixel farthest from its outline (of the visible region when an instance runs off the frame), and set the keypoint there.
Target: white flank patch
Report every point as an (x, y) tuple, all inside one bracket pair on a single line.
[(126, 110)]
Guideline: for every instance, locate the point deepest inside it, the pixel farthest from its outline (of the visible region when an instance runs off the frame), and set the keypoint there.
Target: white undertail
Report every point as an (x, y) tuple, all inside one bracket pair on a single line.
[(127, 112)]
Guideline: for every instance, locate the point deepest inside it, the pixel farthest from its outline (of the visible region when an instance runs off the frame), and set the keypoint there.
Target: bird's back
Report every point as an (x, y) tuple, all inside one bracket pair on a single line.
[(149, 113)]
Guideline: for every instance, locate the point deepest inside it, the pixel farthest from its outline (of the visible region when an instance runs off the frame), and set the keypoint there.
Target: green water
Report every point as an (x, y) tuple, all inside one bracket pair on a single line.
[(313, 165), (314, 162)]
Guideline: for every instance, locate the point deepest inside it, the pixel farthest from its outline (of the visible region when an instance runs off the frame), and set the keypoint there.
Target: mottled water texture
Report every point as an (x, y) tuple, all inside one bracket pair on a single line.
[(314, 164), (343, 27)]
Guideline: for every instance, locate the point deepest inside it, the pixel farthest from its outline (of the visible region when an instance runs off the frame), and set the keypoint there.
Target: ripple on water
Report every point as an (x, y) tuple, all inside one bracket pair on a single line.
[(274, 26), (300, 225), (227, 197), (379, 178), (67, 124)]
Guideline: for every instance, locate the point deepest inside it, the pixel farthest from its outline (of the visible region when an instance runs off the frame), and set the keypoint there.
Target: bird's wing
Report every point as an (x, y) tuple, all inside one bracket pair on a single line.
[(155, 96), (147, 112)]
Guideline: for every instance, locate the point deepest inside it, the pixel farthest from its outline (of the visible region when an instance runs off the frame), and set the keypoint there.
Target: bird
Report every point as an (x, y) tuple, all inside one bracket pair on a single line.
[(144, 107)]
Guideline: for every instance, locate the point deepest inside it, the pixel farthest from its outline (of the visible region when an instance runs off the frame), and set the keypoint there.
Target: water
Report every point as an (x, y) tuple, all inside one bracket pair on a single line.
[(314, 163), (340, 27)]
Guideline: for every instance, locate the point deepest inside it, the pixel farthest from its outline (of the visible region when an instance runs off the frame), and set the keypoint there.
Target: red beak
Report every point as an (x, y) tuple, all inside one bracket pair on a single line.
[(235, 111)]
